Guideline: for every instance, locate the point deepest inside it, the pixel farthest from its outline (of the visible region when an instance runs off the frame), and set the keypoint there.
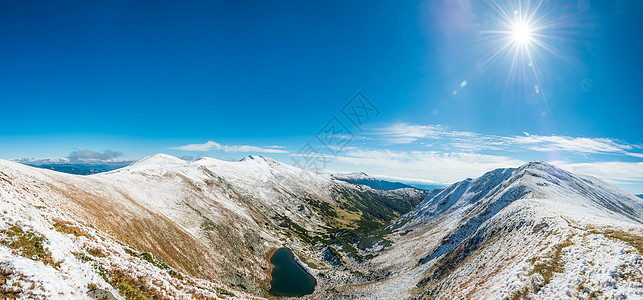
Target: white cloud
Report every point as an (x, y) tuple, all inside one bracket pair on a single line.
[(613, 171), (426, 165), (566, 143), (446, 168), (439, 135), (210, 145), (404, 133)]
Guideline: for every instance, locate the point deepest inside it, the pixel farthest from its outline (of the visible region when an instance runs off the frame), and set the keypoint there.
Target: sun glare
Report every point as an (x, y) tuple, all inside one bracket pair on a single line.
[(517, 39), (521, 33)]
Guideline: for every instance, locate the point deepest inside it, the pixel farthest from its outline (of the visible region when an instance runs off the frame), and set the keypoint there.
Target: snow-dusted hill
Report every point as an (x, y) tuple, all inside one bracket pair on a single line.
[(534, 232), (168, 227)]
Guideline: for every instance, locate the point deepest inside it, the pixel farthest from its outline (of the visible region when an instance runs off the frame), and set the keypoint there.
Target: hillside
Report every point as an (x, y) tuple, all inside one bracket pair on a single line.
[(535, 231), (166, 228), (208, 225)]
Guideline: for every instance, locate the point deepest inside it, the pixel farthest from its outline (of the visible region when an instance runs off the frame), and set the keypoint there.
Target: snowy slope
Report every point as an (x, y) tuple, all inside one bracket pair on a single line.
[(209, 219), (536, 231), (49, 253), (170, 228)]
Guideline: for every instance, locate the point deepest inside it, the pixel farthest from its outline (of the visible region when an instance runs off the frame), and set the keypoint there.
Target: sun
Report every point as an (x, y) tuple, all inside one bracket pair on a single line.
[(517, 38), (521, 40), (521, 33)]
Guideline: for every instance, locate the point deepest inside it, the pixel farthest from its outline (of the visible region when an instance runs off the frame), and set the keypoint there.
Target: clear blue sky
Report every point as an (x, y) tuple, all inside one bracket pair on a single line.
[(142, 77)]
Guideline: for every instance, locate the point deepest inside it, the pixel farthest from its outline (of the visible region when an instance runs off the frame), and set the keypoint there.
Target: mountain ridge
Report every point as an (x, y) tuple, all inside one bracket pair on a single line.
[(365, 179), (532, 231), (208, 219), (500, 232)]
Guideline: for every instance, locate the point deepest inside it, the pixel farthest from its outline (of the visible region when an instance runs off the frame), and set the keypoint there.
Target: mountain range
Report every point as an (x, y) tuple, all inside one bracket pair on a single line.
[(365, 179), (167, 228)]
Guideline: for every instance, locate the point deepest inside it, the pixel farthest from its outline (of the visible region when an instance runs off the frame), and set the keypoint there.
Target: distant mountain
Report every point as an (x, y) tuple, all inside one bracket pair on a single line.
[(365, 179), (80, 169), (640, 195)]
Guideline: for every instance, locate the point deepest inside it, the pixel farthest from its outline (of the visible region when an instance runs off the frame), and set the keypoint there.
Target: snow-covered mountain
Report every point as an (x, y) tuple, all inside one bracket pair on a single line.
[(535, 232), (167, 228), (171, 228)]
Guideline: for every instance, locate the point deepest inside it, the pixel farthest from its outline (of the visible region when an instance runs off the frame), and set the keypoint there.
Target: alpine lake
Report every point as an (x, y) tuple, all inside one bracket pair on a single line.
[(289, 279)]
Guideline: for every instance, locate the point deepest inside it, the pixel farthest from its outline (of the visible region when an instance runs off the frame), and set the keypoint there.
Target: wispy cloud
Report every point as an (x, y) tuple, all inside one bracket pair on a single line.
[(210, 145), (404, 133), (613, 171), (446, 168), (574, 144), (426, 165), (439, 135)]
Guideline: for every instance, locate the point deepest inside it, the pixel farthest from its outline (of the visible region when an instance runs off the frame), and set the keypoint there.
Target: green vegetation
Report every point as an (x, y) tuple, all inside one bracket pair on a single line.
[(299, 231), (159, 264), (130, 252), (363, 211), (522, 294), (324, 207), (130, 287), (346, 238), (356, 223), (95, 252), (83, 257), (29, 244), (224, 292), (405, 232), (376, 209), (149, 258)]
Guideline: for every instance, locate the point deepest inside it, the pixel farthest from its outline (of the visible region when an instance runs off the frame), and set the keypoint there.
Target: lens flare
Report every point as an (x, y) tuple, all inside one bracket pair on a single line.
[(519, 39)]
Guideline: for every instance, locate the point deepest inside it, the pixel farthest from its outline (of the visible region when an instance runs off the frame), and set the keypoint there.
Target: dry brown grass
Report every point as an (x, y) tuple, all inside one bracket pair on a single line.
[(29, 244), (545, 266), (548, 265), (13, 291), (137, 226), (95, 252), (69, 228), (633, 240), (132, 288)]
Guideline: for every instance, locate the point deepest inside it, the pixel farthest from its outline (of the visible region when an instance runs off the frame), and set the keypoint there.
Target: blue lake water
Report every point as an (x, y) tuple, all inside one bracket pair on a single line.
[(288, 277)]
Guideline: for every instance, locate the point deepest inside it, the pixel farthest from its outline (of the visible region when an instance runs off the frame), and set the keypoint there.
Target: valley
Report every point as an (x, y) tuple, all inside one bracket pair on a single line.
[(168, 228)]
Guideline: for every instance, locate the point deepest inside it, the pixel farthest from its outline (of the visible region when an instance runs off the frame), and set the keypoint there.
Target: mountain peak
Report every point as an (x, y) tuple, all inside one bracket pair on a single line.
[(158, 159), (539, 165), (354, 175), (259, 158)]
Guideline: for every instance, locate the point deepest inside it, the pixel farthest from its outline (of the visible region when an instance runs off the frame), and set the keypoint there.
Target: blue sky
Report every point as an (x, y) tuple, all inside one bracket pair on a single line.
[(252, 77)]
